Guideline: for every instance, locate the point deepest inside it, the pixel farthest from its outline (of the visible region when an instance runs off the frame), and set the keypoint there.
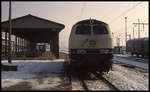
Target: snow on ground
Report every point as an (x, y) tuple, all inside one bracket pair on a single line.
[(134, 58), (128, 79), (47, 74), (40, 74), (76, 84), (134, 62), (97, 85)]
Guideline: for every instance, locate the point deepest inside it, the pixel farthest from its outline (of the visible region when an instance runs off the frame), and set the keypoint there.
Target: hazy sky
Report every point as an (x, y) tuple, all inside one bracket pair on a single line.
[(68, 13)]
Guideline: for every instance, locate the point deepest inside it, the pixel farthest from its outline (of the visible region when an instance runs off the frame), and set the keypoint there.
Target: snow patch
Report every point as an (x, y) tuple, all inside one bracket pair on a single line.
[(32, 71)]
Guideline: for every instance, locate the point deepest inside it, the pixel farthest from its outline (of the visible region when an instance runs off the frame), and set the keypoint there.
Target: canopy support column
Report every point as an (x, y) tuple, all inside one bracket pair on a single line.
[(6, 44)]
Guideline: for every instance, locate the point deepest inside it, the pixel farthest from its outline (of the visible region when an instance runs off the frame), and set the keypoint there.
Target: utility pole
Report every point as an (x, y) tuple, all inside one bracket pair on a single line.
[(118, 41), (126, 32), (133, 32), (129, 36), (125, 29), (10, 29), (139, 26)]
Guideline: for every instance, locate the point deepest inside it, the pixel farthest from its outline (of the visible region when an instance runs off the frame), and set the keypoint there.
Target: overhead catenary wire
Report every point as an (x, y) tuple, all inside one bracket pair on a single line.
[(125, 12), (82, 10), (145, 19)]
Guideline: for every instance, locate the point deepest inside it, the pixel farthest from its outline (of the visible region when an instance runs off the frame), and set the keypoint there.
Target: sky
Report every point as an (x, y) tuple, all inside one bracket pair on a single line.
[(68, 13)]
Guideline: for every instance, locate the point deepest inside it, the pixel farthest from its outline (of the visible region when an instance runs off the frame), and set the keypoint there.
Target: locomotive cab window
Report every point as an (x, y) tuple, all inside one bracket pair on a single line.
[(83, 30), (100, 30)]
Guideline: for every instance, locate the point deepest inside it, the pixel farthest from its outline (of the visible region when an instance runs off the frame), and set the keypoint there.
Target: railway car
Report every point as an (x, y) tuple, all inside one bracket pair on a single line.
[(138, 47), (91, 45), (129, 46), (146, 48)]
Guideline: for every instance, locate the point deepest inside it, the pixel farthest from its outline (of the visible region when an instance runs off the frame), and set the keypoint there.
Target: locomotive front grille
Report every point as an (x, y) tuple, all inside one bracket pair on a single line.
[(92, 51)]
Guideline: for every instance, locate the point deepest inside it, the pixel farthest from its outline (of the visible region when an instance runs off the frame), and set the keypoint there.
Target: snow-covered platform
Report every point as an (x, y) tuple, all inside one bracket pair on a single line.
[(39, 74)]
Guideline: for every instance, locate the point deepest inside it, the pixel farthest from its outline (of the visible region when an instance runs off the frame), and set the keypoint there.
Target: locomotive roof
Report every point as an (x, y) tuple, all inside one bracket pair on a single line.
[(88, 21)]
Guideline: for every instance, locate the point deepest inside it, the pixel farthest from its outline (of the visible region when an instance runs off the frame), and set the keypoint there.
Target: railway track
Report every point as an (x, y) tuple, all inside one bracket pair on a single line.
[(112, 86), (120, 78), (84, 82), (91, 82)]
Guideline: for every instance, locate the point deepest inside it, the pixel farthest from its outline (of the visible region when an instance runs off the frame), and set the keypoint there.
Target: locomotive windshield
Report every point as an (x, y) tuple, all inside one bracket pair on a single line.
[(83, 29), (86, 29), (99, 29)]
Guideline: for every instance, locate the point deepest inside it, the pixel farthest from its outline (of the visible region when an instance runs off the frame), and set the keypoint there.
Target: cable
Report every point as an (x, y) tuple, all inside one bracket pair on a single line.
[(125, 12), (82, 10)]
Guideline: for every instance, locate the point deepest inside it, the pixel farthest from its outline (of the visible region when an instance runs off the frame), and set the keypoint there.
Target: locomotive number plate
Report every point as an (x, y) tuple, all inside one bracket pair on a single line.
[(92, 43)]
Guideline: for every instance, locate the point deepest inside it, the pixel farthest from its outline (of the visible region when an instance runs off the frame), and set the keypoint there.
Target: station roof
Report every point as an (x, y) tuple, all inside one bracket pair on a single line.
[(30, 22), (33, 27)]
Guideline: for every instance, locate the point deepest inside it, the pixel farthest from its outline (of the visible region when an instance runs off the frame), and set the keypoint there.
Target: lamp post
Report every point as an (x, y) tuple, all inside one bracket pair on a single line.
[(139, 28), (125, 31), (10, 29)]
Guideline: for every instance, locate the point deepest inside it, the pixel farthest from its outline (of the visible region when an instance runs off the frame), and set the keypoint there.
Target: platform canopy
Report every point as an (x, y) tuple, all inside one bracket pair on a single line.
[(33, 28)]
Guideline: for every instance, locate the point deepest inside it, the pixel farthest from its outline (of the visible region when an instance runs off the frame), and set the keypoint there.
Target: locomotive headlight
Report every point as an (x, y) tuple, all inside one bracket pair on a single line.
[(73, 52), (81, 51)]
